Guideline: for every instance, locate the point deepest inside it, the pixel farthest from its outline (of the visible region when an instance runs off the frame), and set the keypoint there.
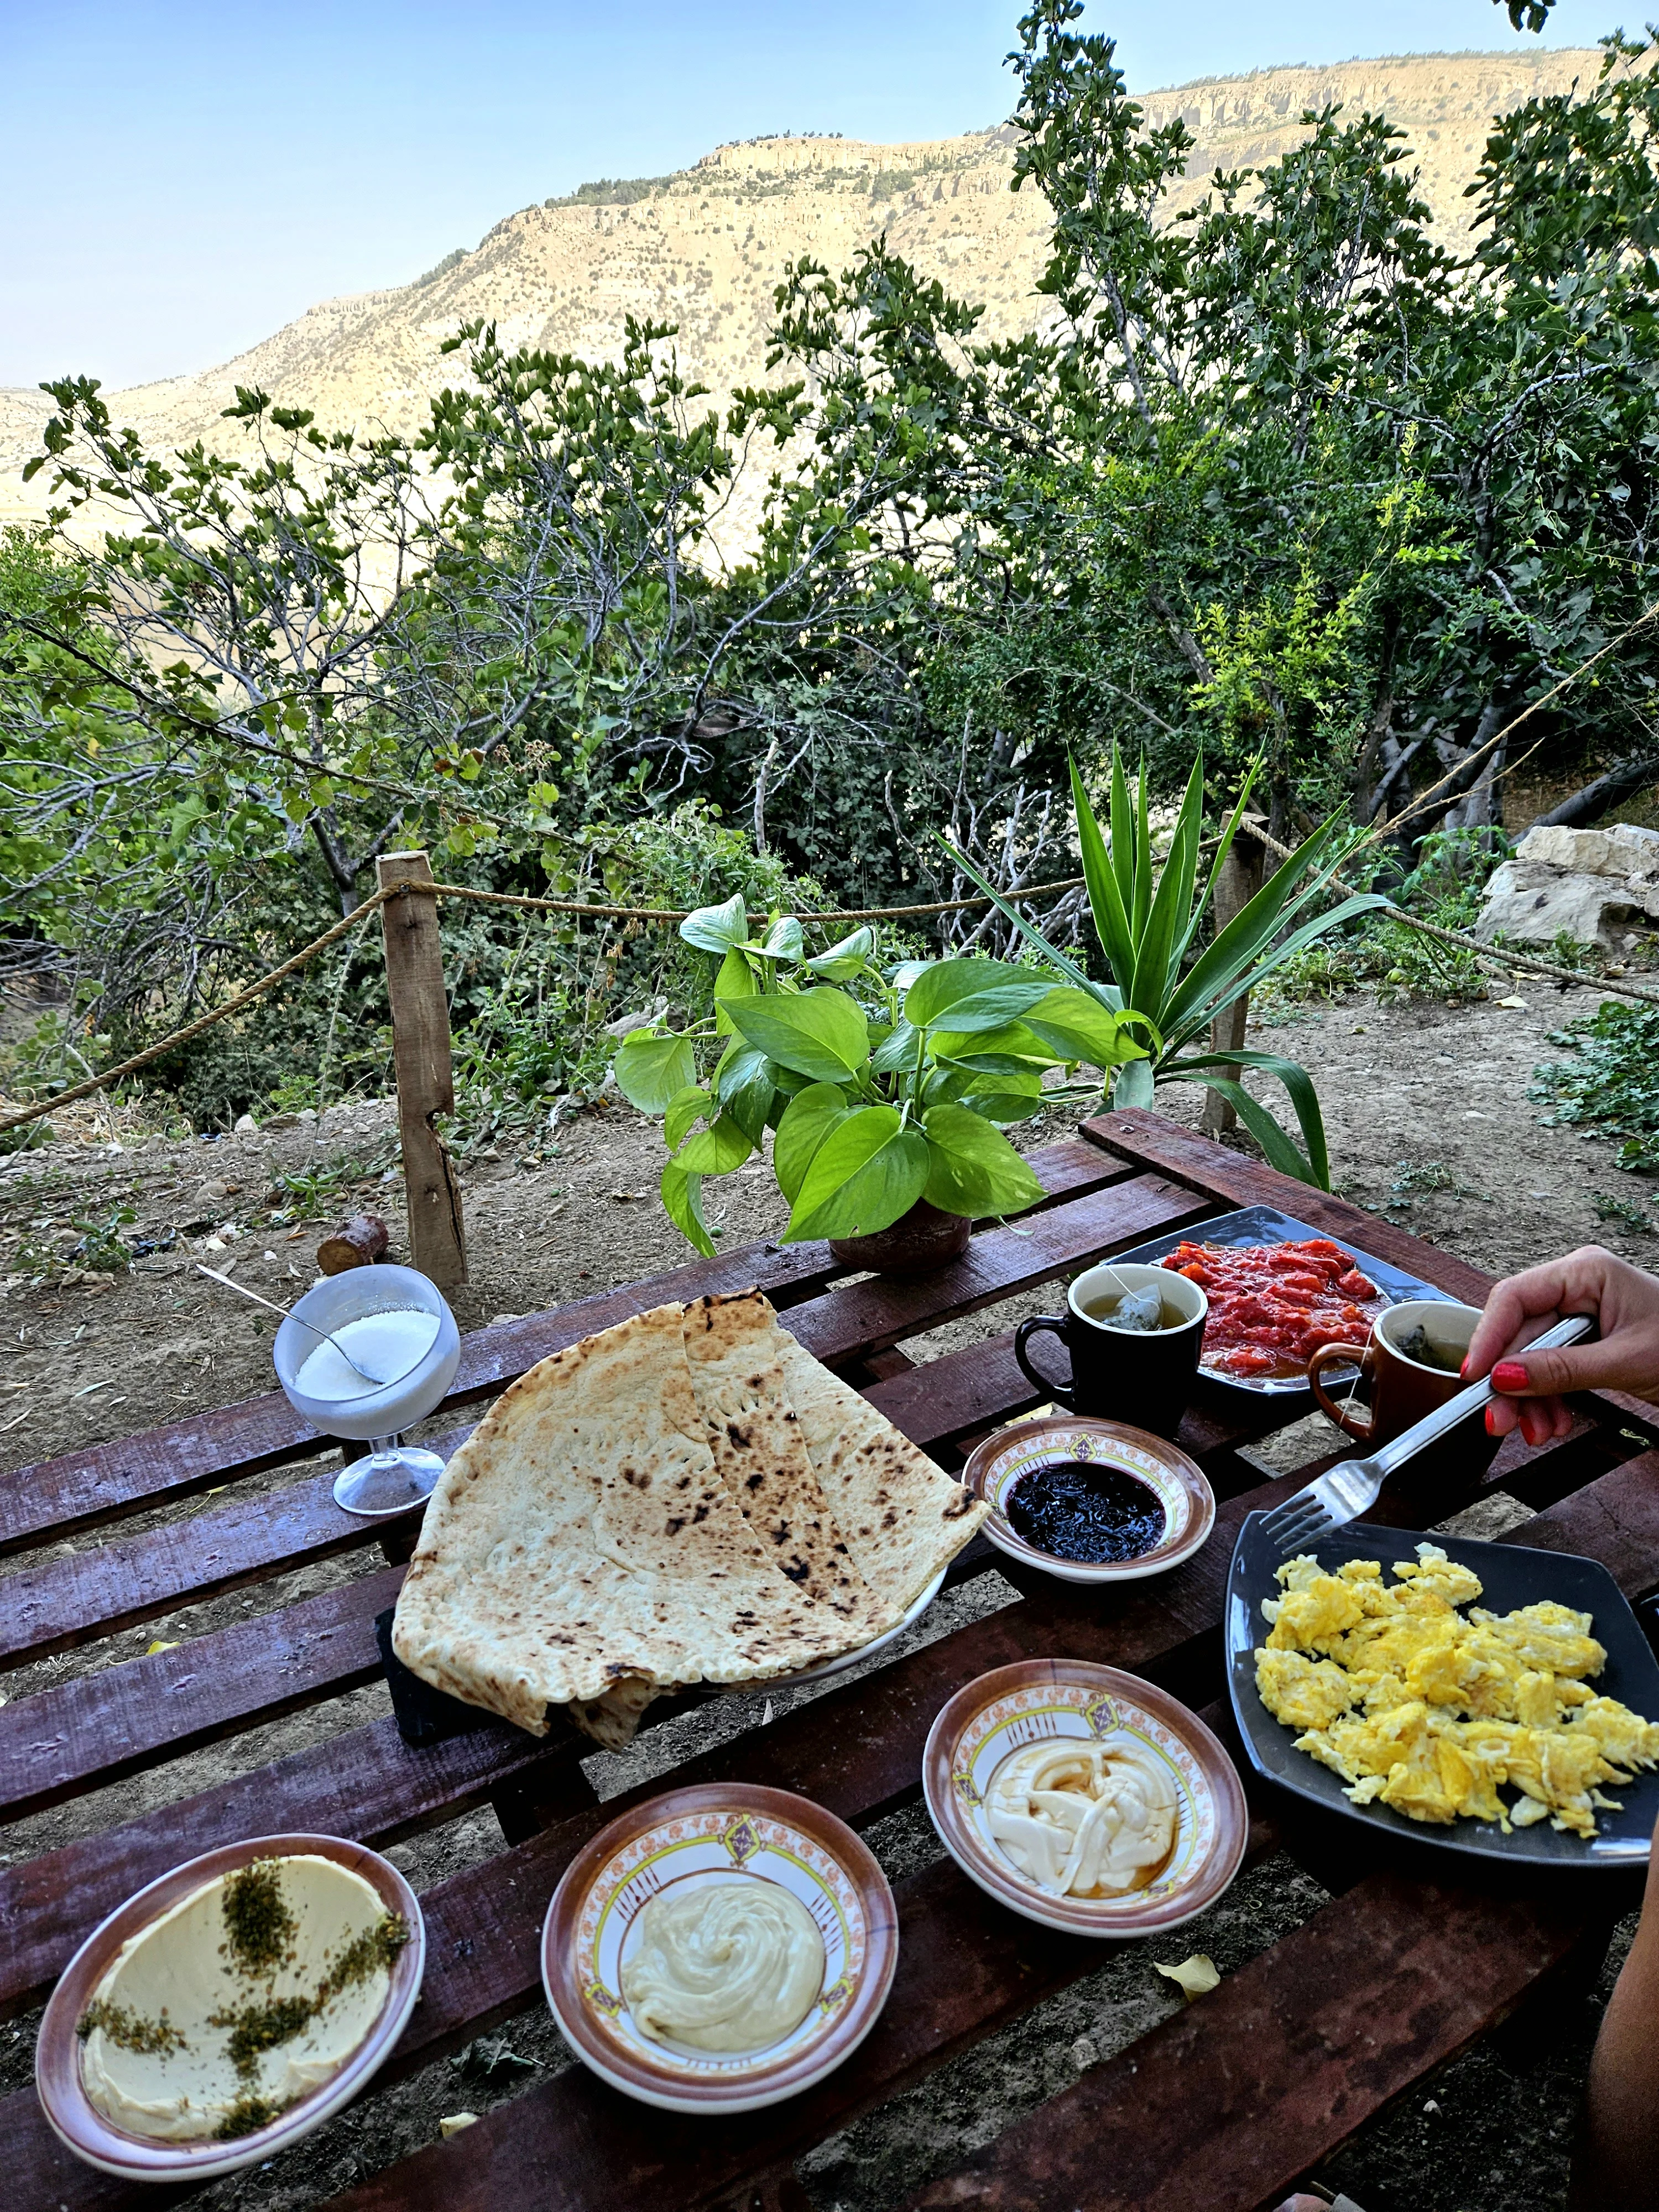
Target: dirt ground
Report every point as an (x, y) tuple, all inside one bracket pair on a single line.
[(1429, 1122)]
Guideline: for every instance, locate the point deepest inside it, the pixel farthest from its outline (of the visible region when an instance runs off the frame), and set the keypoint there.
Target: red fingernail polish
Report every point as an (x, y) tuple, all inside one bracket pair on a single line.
[(1509, 1375), (1492, 1423)]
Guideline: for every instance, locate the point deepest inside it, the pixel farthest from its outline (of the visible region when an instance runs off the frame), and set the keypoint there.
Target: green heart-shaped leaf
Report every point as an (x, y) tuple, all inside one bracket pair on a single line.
[(868, 1171)]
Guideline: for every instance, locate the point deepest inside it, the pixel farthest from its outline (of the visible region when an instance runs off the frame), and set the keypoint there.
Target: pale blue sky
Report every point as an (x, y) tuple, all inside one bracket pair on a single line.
[(182, 178)]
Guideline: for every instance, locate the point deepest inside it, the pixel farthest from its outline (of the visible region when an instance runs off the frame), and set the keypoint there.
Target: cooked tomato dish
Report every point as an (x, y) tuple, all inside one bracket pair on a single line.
[(1272, 1305)]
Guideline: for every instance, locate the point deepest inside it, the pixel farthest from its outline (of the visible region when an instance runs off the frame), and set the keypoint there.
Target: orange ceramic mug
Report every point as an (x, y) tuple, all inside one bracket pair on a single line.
[(1403, 1388)]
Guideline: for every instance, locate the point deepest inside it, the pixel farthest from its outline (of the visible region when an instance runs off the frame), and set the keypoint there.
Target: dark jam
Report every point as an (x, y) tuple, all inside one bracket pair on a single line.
[(1074, 1510)]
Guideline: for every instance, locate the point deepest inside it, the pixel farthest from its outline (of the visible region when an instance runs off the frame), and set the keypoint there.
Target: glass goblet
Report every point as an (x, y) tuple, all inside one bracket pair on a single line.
[(395, 1475)]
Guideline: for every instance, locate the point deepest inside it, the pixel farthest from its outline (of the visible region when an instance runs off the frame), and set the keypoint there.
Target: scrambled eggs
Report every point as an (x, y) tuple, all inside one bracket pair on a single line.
[(1417, 1706)]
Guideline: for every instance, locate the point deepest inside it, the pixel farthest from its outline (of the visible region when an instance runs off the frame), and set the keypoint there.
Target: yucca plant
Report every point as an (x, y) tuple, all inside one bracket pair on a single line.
[(1147, 917)]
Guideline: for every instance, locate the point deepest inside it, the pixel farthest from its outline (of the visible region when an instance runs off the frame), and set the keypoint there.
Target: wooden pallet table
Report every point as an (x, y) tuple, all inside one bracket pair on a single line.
[(1222, 2108)]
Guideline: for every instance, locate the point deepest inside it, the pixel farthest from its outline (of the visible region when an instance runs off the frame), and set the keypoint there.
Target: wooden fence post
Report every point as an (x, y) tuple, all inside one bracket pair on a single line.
[(420, 1044), (1235, 885)]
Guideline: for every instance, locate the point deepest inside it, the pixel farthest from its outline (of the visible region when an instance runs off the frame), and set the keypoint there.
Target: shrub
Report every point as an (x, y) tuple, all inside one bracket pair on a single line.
[(1611, 1085)]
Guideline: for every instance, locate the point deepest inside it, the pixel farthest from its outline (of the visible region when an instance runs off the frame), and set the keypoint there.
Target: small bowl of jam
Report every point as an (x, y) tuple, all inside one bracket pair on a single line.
[(1091, 1501)]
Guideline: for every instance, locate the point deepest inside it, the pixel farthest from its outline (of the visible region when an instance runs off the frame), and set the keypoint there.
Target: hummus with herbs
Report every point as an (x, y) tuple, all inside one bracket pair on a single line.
[(256, 1988), (1081, 1818), (732, 1965)]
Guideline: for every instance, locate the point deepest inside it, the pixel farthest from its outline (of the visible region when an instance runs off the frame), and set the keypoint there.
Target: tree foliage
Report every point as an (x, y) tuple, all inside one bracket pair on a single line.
[(1284, 479)]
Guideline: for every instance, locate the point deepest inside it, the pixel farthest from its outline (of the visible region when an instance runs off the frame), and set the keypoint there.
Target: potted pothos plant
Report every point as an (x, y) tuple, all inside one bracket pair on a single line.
[(888, 1093)]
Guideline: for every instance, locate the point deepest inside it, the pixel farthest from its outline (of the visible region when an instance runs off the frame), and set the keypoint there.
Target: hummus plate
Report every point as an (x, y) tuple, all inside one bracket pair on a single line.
[(734, 1837), (127, 1958)]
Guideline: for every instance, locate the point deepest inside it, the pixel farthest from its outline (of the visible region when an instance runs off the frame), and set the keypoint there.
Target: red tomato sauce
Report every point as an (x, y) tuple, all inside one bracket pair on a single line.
[(1272, 1305)]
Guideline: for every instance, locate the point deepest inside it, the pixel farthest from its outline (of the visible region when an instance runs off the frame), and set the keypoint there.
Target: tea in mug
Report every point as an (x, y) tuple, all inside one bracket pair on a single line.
[(1142, 1311)]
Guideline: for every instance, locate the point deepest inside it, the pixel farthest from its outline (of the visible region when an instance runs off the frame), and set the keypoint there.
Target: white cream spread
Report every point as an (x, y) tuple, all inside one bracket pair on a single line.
[(732, 1965), (184, 2037), (1084, 1819)]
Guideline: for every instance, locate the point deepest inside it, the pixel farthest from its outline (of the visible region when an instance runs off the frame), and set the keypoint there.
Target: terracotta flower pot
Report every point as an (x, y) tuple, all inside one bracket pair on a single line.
[(922, 1238)]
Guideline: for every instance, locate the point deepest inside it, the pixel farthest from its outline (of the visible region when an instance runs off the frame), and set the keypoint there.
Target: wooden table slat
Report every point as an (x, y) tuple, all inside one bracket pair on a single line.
[(63, 1602), (1226, 2104), (845, 1749), (84, 1733), (114, 1585), (1392, 1952), (1150, 1141), (55, 1498), (868, 1316), (952, 1939), (367, 1784), (1615, 1519), (1279, 2053), (84, 1490), (965, 1967), (863, 1738)]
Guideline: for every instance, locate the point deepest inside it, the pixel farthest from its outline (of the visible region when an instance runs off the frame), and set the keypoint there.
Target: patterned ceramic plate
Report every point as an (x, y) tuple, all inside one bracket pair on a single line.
[(76, 2120), (1013, 1706), (994, 1467), (718, 1832)]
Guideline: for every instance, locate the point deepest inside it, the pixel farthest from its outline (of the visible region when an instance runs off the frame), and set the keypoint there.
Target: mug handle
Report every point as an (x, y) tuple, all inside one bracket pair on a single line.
[(1023, 1335), (1328, 1355)]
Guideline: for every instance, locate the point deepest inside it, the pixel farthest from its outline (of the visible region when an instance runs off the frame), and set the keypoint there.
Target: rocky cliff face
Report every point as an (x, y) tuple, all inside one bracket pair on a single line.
[(706, 247)]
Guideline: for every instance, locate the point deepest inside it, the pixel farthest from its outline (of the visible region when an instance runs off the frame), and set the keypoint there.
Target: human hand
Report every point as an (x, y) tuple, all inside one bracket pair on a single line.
[(1626, 1303)]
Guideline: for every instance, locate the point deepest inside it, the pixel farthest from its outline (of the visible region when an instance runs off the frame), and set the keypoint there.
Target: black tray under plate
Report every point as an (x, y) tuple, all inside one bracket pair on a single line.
[(1266, 1225)]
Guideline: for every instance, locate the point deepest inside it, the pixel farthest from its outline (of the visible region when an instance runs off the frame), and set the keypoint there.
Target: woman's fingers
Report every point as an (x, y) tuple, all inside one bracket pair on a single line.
[(1534, 1372), (1522, 1306), (1542, 1419), (1538, 1420)]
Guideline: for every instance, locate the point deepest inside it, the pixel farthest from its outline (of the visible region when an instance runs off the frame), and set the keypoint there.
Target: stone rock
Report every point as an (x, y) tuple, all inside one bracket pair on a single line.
[(1590, 884), (246, 1125), (1623, 851)]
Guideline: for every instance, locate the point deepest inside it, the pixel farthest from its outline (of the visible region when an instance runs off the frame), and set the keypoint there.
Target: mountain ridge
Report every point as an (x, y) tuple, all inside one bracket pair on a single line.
[(704, 247)]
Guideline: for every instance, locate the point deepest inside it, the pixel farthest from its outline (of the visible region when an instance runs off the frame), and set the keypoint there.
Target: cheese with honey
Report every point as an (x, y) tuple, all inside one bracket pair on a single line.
[(1083, 1819)]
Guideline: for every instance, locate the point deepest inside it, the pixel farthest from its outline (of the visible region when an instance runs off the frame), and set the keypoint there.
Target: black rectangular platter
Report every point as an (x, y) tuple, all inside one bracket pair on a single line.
[(1511, 1575)]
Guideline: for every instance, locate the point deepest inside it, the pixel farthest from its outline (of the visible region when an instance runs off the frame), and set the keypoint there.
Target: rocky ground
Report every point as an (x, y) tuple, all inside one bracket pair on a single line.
[(1430, 1124)]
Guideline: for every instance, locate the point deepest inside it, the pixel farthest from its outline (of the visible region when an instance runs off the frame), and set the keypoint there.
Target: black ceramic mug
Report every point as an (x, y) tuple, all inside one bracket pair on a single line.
[(1143, 1377)]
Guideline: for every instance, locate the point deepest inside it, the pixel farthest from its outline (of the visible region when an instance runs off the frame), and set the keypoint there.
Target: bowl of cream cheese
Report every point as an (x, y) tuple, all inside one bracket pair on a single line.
[(229, 2008), (1085, 1798), (720, 1948)]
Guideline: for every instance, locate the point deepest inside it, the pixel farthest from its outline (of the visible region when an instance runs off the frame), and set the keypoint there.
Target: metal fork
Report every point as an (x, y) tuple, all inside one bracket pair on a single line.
[(1348, 1490)]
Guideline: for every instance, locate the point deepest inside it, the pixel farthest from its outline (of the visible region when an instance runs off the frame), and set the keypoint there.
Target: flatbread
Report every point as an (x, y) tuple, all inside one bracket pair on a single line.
[(755, 1433), (902, 1518), (581, 1542)]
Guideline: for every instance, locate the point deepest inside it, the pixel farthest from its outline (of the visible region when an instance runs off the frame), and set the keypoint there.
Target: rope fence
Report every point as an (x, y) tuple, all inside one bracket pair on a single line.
[(348, 922), (1514, 962)]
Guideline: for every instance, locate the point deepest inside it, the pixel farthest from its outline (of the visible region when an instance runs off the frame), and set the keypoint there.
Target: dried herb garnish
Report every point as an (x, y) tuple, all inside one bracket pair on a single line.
[(376, 1949), (257, 2028), (259, 1928), (246, 2116), (130, 2030)]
